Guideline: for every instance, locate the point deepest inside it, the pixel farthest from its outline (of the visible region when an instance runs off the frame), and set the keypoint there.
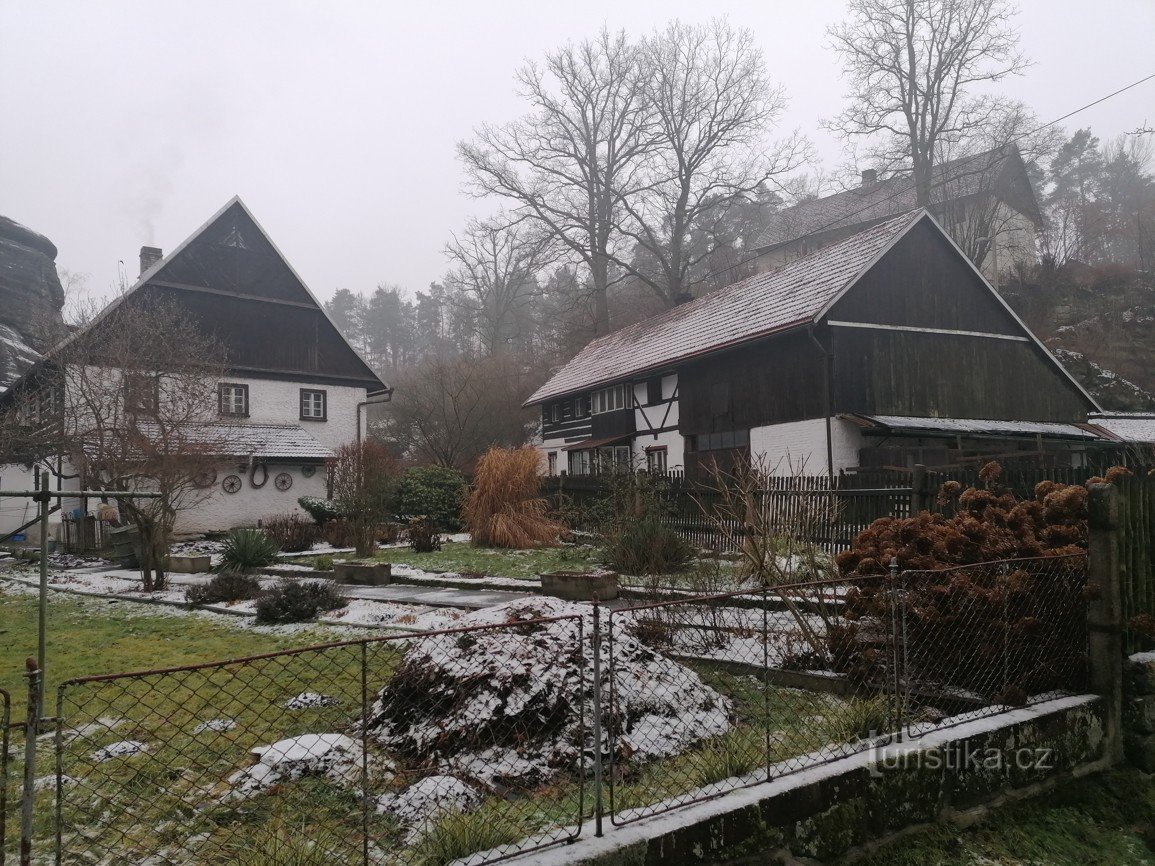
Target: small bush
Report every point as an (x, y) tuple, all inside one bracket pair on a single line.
[(505, 508), (726, 757), (226, 586), (321, 510), (298, 602), (246, 549), (323, 563), (339, 533), (422, 537), (291, 532), (647, 547), (434, 491), (460, 834)]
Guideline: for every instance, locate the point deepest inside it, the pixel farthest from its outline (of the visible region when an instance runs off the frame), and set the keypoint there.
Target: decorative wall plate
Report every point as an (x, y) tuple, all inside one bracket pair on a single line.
[(231, 484)]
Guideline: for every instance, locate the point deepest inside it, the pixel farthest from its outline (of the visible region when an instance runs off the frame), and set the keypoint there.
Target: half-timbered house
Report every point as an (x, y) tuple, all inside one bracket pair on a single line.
[(886, 348)]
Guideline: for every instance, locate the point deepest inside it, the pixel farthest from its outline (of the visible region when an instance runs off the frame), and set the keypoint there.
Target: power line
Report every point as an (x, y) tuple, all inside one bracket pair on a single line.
[(906, 189)]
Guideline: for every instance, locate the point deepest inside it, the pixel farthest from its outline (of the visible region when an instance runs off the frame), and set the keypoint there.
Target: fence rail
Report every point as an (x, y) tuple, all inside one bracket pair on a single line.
[(515, 732)]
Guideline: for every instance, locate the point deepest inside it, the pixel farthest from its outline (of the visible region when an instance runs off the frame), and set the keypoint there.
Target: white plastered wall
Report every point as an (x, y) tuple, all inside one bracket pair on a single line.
[(799, 447)]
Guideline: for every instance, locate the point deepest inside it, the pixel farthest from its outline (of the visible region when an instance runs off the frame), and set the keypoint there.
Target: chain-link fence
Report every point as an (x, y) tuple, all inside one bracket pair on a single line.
[(980, 638), (726, 691), (513, 733), (396, 750)]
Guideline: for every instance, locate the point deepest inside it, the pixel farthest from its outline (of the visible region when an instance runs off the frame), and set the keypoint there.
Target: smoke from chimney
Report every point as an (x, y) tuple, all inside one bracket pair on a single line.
[(149, 256)]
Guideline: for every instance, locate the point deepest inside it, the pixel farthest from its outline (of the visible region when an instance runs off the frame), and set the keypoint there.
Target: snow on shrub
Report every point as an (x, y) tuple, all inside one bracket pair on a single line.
[(504, 705), (425, 801), (335, 757)]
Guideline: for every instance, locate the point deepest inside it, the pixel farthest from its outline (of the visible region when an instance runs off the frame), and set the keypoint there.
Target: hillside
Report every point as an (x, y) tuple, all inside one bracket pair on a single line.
[(1100, 322)]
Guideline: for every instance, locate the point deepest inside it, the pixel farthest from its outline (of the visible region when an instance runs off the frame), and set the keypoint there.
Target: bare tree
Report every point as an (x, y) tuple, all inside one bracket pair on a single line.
[(131, 404), (912, 66), (712, 103), (577, 156), (494, 277), (363, 475), (450, 410)]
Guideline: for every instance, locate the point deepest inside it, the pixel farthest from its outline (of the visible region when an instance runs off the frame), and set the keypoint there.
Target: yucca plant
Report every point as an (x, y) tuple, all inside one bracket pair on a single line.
[(504, 508), (246, 549)]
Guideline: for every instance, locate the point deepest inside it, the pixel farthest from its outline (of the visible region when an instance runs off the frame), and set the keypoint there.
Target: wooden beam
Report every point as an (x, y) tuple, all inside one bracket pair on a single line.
[(185, 287)]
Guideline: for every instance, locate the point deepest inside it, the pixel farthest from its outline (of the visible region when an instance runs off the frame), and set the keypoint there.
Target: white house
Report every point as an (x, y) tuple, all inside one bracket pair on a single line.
[(294, 388)]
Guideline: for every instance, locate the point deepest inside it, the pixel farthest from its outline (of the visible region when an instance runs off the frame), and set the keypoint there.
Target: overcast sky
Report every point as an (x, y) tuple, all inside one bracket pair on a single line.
[(129, 123)]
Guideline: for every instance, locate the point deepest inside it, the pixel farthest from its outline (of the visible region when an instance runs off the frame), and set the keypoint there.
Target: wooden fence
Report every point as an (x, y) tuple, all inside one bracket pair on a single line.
[(1136, 559)]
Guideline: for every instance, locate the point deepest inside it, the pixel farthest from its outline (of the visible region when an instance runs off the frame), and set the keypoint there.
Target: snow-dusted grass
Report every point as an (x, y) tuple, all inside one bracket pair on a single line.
[(463, 558)]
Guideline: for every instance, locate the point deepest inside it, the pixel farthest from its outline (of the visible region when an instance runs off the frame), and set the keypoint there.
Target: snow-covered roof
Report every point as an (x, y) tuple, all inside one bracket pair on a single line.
[(974, 427), (1136, 427), (270, 441), (793, 295)]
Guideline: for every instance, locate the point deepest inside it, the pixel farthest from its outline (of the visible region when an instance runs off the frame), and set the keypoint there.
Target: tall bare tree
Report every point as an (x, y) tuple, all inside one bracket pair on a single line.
[(577, 156), (712, 104), (494, 276), (912, 67)]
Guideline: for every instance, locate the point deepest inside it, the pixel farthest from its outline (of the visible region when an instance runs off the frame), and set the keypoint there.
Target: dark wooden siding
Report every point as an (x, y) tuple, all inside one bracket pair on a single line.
[(620, 422), (923, 282), (920, 374), (771, 382), (571, 425)]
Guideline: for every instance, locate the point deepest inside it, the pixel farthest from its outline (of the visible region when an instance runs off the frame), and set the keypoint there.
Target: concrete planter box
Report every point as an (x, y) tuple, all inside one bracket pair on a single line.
[(363, 573), (193, 564), (580, 585)]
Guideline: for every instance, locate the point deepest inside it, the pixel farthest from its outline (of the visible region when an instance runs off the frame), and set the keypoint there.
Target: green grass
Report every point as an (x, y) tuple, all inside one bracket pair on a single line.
[(1107, 819), (525, 564), (97, 636)]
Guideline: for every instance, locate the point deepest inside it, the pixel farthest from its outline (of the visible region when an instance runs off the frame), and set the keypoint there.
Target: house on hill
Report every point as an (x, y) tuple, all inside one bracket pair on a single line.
[(985, 202), (885, 348), (294, 389)]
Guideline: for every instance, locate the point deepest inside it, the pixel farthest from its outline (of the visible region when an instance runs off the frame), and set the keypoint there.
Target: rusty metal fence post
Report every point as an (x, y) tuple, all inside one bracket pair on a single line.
[(31, 730), (596, 643)]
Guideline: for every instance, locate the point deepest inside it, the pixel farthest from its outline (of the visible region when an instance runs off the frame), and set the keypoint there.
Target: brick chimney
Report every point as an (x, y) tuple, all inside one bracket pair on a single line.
[(149, 256), (869, 177)]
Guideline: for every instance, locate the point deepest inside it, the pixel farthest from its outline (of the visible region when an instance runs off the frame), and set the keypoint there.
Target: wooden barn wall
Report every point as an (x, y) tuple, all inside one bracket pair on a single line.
[(910, 373), (923, 282), (771, 382)]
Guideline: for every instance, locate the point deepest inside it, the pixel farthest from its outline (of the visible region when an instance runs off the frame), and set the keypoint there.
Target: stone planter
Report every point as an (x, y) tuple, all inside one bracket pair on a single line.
[(193, 564), (580, 585), (363, 573)]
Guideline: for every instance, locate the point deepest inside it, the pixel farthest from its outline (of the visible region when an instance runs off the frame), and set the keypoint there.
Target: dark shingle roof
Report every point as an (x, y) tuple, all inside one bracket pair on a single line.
[(760, 305), (955, 179)]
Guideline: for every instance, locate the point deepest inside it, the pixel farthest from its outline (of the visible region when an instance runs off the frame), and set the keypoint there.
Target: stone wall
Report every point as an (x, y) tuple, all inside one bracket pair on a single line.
[(1139, 711)]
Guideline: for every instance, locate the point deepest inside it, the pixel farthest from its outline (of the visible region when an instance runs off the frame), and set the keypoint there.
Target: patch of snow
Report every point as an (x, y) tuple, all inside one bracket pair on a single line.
[(333, 756), (217, 726), (48, 783), (310, 700), (121, 749), (422, 803)]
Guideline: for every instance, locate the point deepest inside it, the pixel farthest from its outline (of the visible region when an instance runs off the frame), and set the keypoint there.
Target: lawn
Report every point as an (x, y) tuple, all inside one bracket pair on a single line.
[(464, 558), (95, 636), (1106, 819)]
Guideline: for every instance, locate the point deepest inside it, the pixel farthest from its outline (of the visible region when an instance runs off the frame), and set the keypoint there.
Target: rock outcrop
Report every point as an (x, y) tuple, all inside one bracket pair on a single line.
[(31, 298)]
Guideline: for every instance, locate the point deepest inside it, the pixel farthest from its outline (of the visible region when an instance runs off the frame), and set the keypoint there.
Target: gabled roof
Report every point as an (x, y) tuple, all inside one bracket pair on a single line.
[(234, 282), (791, 296), (953, 180)]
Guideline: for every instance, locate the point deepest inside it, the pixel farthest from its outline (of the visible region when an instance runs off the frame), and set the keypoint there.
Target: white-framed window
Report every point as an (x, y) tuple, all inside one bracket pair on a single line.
[(313, 405), (579, 462), (141, 393), (551, 458), (614, 458), (611, 399), (656, 458), (234, 399)]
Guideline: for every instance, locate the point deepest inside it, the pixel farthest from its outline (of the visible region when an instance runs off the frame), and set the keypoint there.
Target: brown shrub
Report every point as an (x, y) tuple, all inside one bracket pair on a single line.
[(292, 532), (504, 508)]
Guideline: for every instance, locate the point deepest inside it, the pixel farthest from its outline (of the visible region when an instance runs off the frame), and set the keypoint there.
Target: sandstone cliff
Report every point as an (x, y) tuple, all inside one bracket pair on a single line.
[(31, 298)]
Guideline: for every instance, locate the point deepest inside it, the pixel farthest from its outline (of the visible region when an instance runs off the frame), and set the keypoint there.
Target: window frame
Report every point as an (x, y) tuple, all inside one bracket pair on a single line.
[(244, 391), (657, 457), (551, 463), (137, 386), (611, 399), (324, 416)]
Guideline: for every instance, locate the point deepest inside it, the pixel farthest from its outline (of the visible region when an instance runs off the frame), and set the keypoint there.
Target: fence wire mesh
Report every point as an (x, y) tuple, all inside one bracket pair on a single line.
[(980, 638), (756, 695), (394, 750)]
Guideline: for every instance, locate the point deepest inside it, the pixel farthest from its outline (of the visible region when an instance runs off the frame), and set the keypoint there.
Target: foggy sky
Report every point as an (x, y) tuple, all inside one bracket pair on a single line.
[(128, 123)]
